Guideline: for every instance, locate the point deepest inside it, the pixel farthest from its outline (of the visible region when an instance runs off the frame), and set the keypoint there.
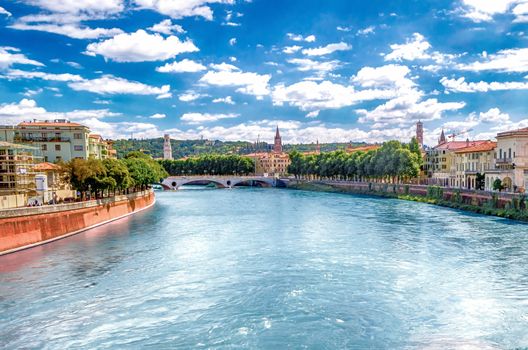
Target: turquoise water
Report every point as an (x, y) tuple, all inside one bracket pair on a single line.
[(274, 269)]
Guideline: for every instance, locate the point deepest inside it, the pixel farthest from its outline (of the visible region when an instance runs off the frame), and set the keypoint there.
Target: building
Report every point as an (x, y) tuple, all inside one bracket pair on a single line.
[(167, 148), (511, 161), (273, 163), (419, 133), (439, 164), (472, 163), (50, 183), (58, 140), (17, 174), (277, 145)]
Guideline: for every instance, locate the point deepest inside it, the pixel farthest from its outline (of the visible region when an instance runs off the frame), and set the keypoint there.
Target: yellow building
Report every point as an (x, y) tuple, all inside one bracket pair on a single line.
[(271, 163), (473, 160), (57, 139), (511, 160)]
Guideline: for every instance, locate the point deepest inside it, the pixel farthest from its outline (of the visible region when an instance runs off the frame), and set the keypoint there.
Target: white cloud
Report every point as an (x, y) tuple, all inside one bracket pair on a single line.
[(10, 56), (343, 29), (158, 116), (166, 27), (224, 67), (328, 49), (232, 41), (109, 85), (408, 108), (306, 64), (140, 46), (190, 96), (388, 76), (494, 115), (228, 100), (460, 85), (485, 10), (181, 8), (366, 31), (3, 11), (291, 49), (27, 109), (184, 66), (510, 60), (80, 6), (73, 30), (413, 49), (247, 82), (297, 37), (198, 118), (310, 95), (313, 114), (20, 74)]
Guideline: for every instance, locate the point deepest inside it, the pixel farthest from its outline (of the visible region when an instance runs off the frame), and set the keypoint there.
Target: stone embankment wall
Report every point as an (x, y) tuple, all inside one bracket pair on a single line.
[(467, 197), (25, 227)]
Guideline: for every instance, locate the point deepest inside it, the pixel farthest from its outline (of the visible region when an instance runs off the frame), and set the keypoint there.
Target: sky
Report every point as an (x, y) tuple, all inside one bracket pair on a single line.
[(333, 71)]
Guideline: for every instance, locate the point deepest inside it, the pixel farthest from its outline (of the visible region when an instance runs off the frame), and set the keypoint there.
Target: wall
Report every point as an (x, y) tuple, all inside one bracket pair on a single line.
[(12, 201), (22, 227)]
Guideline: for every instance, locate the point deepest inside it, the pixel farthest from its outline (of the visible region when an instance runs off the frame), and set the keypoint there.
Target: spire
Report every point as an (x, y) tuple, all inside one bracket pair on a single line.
[(277, 146), (442, 138)]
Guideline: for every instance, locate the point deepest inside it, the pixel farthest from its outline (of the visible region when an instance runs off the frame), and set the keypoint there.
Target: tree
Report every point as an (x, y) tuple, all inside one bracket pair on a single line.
[(480, 181), (118, 170), (497, 185), (143, 169)]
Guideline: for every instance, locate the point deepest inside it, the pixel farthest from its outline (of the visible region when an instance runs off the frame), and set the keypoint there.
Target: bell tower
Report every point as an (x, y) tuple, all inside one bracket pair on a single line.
[(277, 146), (167, 149), (419, 133)]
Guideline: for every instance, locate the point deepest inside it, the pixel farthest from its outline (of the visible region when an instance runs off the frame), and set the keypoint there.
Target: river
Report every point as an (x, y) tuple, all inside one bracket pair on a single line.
[(274, 269)]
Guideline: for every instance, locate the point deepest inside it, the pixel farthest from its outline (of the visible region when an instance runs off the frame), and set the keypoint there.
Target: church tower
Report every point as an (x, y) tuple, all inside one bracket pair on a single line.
[(442, 138), (167, 149), (317, 147), (419, 133), (277, 146)]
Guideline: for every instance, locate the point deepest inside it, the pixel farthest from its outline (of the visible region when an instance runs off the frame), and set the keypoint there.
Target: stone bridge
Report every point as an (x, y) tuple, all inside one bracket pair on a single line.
[(174, 182)]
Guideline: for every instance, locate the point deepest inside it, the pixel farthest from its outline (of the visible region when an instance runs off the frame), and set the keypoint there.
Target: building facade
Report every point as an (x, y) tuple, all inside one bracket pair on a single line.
[(58, 140), (167, 148), (272, 163), (472, 163), (511, 161)]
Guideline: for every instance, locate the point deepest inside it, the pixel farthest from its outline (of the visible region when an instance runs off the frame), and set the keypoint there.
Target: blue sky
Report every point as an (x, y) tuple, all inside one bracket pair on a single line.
[(334, 70)]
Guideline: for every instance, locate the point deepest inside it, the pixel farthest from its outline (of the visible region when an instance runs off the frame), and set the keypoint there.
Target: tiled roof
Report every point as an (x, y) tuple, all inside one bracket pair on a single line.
[(456, 145), (46, 166), (51, 123), (483, 147), (523, 131)]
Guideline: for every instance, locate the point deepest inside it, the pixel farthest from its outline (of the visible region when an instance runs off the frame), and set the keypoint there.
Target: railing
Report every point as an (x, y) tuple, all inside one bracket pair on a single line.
[(504, 160), (41, 139)]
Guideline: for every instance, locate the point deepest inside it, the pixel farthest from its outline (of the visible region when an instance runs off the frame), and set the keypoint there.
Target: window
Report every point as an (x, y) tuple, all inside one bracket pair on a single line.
[(500, 153), (78, 148), (77, 136), (58, 158), (509, 153), (44, 147), (57, 147)]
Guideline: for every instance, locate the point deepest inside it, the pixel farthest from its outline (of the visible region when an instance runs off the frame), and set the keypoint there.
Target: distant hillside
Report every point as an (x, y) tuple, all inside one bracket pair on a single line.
[(185, 148)]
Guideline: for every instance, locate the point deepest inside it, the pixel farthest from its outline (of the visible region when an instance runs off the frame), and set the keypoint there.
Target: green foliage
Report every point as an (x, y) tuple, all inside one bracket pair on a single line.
[(215, 164), (193, 148), (497, 185), (392, 161), (143, 169), (435, 192), (480, 181), (456, 197)]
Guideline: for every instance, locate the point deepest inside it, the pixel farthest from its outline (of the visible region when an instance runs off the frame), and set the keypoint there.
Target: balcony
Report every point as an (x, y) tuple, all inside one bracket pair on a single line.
[(19, 138), (504, 160)]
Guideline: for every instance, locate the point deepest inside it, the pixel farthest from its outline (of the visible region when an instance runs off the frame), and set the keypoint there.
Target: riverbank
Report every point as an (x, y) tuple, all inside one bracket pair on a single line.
[(506, 205), (22, 228)]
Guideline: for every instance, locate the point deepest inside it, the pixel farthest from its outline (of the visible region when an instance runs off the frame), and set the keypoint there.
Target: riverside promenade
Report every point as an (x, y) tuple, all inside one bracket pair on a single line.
[(22, 228)]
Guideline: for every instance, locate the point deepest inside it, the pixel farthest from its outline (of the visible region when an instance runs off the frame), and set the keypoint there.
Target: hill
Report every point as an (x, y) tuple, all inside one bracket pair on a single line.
[(186, 148)]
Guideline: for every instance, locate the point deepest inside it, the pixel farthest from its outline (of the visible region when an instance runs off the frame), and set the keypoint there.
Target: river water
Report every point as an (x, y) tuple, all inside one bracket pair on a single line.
[(274, 269)]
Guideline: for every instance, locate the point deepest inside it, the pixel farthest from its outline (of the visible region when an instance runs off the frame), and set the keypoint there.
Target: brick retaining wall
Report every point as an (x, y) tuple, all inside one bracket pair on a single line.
[(24, 227)]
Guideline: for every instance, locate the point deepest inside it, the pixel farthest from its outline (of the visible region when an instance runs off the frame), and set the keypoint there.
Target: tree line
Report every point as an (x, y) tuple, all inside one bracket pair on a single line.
[(110, 176), (392, 162), (210, 164)]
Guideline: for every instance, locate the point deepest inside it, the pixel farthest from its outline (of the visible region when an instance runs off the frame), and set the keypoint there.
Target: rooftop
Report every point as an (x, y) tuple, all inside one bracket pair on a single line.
[(363, 148), (483, 147), (456, 145), (53, 123), (518, 132), (46, 166)]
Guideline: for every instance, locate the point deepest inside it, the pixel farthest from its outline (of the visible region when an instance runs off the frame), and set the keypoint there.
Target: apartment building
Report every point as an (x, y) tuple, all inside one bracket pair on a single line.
[(58, 139)]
